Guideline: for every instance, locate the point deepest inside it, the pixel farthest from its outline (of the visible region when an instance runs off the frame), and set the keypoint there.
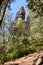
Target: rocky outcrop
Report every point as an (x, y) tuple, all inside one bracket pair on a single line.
[(20, 14), (31, 59)]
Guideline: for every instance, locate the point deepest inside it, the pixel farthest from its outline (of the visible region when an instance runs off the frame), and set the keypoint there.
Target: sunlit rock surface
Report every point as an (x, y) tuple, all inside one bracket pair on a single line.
[(31, 59)]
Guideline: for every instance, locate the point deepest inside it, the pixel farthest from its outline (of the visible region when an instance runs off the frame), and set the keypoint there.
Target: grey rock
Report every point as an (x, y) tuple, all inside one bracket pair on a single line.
[(20, 14)]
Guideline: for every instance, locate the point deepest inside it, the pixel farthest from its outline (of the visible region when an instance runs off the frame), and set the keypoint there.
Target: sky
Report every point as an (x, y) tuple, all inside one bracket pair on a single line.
[(15, 6)]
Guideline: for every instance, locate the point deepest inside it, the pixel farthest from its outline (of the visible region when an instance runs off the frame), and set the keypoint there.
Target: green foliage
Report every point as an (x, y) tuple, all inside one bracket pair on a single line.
[(19, 22), (37, 28), (9, 56), (35, 46), (36, 6), (16, 50), (21, 27), (20, 45)]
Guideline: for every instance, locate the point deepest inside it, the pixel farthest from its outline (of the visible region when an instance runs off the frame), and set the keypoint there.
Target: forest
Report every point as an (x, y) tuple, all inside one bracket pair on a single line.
[(24, 34)]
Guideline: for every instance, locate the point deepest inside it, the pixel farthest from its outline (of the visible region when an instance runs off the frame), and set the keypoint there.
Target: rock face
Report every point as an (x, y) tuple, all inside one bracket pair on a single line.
[(20, 14), (31, 59)]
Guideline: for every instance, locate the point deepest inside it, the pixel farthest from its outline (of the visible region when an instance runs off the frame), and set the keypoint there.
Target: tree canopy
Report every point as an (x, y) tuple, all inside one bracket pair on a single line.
[(36, 6)]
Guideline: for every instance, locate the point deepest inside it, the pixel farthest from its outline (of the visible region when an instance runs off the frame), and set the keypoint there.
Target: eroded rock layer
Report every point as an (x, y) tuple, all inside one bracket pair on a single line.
[(31, 59)]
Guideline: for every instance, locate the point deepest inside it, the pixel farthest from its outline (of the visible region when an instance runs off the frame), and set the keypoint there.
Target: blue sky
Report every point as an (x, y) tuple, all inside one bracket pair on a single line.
[(15, 6)]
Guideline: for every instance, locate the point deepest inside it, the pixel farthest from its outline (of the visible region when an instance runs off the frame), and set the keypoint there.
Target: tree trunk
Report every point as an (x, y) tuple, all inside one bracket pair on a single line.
[(4, 12)]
